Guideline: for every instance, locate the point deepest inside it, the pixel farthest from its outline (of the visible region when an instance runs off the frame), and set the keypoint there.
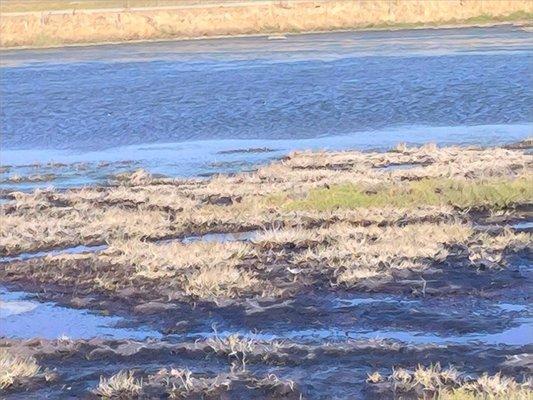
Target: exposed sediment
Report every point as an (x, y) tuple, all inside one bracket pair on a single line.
[(334, 247)]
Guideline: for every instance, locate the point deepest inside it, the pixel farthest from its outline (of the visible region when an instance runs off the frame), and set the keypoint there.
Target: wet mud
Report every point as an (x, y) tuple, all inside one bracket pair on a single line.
[(280, 316)]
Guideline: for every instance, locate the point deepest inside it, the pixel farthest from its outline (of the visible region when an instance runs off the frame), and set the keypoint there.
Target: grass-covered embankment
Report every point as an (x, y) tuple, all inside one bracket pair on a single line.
[(70, 26)]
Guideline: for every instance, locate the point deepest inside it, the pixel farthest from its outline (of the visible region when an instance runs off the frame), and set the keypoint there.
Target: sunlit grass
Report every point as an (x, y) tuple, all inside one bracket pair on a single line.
[(494, 193), (449, 384), (122, 385), (42, 5), (487, 387), (14, 368)]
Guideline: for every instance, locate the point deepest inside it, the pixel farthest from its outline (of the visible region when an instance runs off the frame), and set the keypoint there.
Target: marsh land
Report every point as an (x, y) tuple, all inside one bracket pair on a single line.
[(327, 216), (324, 275)]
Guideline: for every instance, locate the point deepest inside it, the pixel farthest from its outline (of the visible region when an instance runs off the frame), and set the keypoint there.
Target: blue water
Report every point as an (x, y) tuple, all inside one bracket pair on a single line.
[(174, 106), (23, 317)]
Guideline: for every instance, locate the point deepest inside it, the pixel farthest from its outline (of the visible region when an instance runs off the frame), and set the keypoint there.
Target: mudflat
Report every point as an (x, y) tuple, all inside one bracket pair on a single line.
[(320, 275)]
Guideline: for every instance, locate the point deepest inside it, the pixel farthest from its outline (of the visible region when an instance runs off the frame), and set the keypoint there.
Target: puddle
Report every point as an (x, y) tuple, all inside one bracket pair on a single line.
[(69, 250), (517, 336), (215, 237), (399, 167), (208, 237), (222, 237), (24, 318), (356, 301), (523, 225), (509, 307)]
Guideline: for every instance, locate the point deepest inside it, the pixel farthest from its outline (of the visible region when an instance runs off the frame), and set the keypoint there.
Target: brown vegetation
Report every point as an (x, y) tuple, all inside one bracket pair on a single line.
[(82, 26), (296, 192), (309, 233), (15, 370), (435, 382)]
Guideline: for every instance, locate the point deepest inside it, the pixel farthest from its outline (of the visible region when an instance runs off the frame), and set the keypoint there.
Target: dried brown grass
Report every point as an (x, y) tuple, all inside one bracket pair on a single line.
[(122, 385), (440, 383), (38, 29), (15, 369)]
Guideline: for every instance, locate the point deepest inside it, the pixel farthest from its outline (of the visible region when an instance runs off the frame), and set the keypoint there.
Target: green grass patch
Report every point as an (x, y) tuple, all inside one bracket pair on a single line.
[(487, 18), (464, 194)]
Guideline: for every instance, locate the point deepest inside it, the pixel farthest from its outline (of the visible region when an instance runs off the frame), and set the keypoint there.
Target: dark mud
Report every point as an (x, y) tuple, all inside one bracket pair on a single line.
[(313, 337), (314, 371), (318, 344)]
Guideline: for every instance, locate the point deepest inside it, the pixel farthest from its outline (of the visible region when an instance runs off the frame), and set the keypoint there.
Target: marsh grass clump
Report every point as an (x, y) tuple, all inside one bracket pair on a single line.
[(462, 194), (182, 383), (222, 281), (307, 189), (122, 385), (153, 260), (363, 253), (487, 387), (202, 269), (424, 381), (490, 250), (435, 382), (136, 178), (15, 369), (235, 347)]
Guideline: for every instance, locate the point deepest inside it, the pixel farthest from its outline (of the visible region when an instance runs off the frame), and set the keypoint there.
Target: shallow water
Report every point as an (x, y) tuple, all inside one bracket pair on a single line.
[(81, 249), (23, 317), (414, 321), (180, 108), (222, 237), (399, 167), (526, 225), (516, 336), (68, 250)]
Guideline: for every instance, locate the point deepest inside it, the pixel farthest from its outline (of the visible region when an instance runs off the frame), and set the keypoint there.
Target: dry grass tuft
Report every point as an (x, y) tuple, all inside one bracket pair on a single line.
[(122, 385), (169, 259), (362, 253), (222, 281), (13, 369), (374, 377), (486, 387), (235, 347), (431, 378), (440, 383)]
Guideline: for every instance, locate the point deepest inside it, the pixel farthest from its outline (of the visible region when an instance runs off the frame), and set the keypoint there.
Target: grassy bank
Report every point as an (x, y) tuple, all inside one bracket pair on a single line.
[(11, 6), (230, 18)]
